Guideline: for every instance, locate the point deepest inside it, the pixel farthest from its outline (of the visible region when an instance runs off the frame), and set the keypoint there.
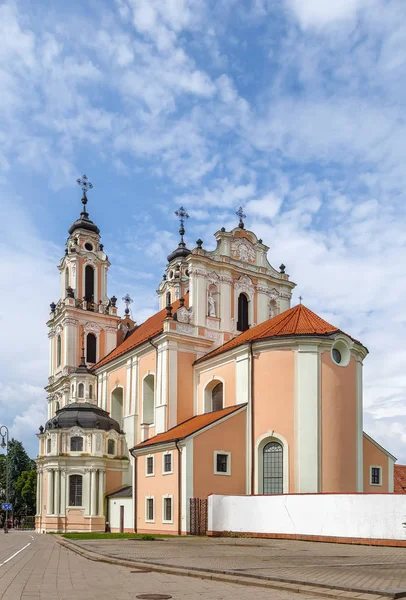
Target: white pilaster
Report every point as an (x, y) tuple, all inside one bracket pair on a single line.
[(127, 399), (225, 305), (391, 469), (103, 403), (50, 492), (57, 474), (162, 385), (93, 492), (63, 492), (102, 485), (187, 482), (307, 422), (242, 378), (359, 425)]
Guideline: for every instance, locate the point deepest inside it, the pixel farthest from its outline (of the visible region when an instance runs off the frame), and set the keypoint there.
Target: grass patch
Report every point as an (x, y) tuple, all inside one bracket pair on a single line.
[(114, 536)]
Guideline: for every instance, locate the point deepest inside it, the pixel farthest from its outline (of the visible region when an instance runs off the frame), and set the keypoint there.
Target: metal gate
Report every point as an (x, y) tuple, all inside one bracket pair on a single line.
[(198, 516)]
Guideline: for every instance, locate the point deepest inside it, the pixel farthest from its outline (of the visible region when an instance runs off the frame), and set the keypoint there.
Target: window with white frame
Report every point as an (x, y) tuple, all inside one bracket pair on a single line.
[(75, 490), (149, 468), (222, 463), (167, 463), (376, 475), (167, 510), (149, 509), (111, 447), (48, 445)]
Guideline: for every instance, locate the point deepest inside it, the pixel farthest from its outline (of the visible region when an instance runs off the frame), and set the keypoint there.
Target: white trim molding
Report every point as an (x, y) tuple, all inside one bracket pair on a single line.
[(170, 453), (380, 475), (146, 509), (153, 465)]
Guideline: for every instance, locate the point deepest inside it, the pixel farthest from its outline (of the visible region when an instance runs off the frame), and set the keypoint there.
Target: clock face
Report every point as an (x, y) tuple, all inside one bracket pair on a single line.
[(88, 246)]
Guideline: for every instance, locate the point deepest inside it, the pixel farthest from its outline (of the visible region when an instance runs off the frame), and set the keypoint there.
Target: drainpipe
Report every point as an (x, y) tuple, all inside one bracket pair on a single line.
[(179, 488), (252, 420)]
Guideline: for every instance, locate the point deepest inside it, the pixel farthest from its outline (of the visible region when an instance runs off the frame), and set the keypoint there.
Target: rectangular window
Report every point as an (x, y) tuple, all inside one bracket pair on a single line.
[(168, 463), (150, 465), (149, 509), (167, 516), (376, 475), (222, 463), (49, 445)]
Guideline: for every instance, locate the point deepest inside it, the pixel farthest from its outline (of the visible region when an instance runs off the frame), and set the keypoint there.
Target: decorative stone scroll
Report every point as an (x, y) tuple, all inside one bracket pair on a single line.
[(92, 328)]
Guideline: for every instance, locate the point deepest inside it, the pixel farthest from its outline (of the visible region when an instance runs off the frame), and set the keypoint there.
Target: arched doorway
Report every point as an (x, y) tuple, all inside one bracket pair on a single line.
[(242, 323)]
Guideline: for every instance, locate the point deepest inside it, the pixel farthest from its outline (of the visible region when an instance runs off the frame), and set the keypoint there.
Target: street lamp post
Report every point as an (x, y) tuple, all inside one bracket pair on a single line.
[(4, 444)]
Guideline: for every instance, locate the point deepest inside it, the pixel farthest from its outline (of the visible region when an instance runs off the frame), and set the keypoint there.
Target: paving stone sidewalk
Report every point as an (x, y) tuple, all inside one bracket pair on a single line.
[(352, 567)]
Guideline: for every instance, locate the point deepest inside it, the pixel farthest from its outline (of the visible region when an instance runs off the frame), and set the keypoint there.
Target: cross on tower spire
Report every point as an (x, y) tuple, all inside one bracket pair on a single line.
[(182, 215), (127, 301), (86, 185), (240, 214), (300, 299)]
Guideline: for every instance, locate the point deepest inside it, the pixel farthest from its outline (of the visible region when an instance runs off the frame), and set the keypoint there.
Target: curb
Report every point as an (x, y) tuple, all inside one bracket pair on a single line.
[(293, 586)]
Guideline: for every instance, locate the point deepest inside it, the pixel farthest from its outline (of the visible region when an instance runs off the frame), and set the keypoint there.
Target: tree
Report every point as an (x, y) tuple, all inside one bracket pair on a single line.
[(18, 461), (2, 477), (26, 488)]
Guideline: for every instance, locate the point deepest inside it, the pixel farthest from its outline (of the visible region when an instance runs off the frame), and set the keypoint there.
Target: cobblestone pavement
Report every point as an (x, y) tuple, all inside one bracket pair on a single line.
[(347, 566), (45, 570)]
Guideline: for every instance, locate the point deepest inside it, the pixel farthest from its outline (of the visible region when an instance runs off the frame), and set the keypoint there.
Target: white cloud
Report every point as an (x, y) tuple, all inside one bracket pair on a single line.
[(318, 13)]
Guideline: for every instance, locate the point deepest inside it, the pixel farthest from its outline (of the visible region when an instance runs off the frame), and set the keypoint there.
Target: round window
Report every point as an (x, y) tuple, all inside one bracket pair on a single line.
[(336, 356), (88, 246)]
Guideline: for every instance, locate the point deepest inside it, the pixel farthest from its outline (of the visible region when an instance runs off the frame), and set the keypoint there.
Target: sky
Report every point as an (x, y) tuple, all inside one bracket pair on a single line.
[(293, 109)]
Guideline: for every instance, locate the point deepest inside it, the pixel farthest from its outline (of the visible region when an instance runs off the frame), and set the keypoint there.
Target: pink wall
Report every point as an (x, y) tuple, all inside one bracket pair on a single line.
[(157, 485), (228, 436), (274, 397), (185, 385), (338, 426), (225, 372), (373, 457)]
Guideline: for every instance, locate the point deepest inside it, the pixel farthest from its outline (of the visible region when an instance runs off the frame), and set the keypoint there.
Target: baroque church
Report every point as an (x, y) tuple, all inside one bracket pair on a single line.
[(227, 389)]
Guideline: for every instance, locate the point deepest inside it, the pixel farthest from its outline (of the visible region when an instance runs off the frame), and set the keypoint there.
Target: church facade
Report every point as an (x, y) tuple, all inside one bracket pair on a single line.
[(227, 389)]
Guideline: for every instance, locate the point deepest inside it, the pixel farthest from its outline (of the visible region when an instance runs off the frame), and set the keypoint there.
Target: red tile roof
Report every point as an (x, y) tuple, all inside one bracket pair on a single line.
[(147, 330), (296, 321), (183, 430), (400, 479)]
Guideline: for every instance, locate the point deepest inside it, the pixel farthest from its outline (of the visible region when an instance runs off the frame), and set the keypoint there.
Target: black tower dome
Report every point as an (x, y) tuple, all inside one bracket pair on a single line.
[(84, 415)]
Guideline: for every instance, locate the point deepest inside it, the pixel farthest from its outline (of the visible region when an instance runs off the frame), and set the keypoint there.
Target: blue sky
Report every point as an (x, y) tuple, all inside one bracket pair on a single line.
[(293, 109)]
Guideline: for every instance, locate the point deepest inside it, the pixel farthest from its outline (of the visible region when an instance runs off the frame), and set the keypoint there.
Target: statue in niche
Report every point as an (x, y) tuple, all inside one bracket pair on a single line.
[(273, 309), (212, 306)]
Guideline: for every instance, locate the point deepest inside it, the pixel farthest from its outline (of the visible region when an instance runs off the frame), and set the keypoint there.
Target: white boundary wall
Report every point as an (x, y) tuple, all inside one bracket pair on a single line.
[(373, 516)]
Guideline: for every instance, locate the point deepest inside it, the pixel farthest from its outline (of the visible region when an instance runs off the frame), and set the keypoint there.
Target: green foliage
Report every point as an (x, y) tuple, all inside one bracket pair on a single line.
[(26, 487)]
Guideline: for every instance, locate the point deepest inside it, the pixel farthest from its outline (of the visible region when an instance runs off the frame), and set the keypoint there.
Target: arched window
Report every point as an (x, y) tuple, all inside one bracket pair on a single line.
[(273, 468), (242, 324), (168, 298), (76, 444), (49, 446), (57, 406), (148, 400), (111, 447), (214, 396), (58, 351), (90, 392), (75, 490), (117, 406), (81, 390), (91, 348), (89, 283), (66, 278)]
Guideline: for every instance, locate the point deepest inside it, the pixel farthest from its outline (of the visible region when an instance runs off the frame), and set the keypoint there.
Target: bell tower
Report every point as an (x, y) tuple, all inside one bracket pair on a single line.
[(83, 324)]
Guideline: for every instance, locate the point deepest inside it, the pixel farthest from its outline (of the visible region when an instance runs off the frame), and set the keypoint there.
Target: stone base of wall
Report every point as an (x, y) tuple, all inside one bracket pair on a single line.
[(51, 524), (313, 538)]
